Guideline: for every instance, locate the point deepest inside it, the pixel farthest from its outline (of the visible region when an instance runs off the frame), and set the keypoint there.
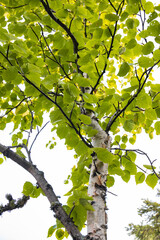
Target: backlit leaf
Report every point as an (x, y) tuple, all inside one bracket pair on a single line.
[(131, 167), (148, 48), (157, 127), (128, 125), (111, 17), (145, 62), (124, 69), (139, 177), (152, 180), (85, 119), (104, 155), (110, 181), (51, 230)]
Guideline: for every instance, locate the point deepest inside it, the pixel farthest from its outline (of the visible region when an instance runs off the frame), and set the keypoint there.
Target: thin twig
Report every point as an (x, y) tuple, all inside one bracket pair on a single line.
[(141, 153), (39, 131), (14, 107)]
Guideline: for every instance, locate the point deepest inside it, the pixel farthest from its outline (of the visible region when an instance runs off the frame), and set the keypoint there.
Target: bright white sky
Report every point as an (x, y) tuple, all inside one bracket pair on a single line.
[(33, 221)]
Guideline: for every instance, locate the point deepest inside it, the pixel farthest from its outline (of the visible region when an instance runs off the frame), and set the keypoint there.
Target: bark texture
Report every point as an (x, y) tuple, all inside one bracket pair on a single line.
[(97, 220)]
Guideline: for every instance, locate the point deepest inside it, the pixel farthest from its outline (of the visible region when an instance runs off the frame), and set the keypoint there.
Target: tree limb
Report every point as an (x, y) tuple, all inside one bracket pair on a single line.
[(67, 30), (47, 189)]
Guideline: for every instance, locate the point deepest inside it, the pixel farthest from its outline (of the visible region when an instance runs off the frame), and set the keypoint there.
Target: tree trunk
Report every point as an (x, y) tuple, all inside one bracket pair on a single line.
[(97, 220)]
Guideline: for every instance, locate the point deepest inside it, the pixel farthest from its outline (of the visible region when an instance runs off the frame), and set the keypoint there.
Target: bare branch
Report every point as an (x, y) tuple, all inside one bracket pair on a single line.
[(39, 131), (141, 153), (47, 189)]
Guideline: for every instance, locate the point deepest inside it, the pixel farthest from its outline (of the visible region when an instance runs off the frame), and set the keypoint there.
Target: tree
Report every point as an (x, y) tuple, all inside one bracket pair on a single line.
[(88, 65), (150, 230)]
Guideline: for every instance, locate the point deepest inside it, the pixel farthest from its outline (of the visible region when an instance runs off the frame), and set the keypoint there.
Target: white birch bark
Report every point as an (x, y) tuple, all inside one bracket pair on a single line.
[(97, 220)]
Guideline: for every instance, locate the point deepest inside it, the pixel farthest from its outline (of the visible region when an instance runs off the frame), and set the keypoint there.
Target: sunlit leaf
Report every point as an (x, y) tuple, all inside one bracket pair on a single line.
[(152, 180), (139, 177), (124, 69)]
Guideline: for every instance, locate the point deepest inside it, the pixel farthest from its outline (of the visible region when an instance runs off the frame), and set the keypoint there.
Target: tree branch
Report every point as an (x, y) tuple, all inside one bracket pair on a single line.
[(141, 153), (111, 45), (15, 106), (47, 189), (118, 113), (67, 30)]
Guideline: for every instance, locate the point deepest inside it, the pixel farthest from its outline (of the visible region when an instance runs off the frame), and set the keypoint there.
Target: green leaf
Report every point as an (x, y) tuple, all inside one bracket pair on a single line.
[(117, 138), (11, 75), (82, 82), (144, 101), (156, 54), (148, 48), (51, 230), (59, 234), (131, 44), (132, 155), (149, 7), (50, 80), (124, 138), (157, 127), (35, 193), (104, 155), (81, 148), (129, 125), (157, 39), (56, 116), (154, 28), (1, 160), (126, 176), (151, 114), (79, 216), (62, 130), (71, 139), (124, 16), (85, 119), (113, 169), (84, 202), (124, 69), (145, 62), (111, 17), (148, 167), (27, 188), (144, 33), (131, 167), (98, 33), (132, 140), (152, 180), (139, 177), (110, 181), (88, 98), (130, 23)]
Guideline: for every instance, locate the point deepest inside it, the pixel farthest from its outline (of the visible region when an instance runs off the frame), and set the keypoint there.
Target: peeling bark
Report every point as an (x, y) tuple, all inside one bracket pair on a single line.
[(97, 220)]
